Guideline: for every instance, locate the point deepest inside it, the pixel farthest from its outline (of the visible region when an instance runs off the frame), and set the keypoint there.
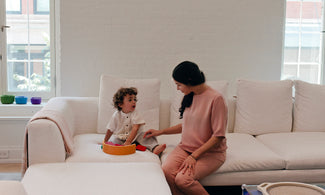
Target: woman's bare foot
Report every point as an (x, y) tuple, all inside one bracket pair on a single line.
[(159, 149)]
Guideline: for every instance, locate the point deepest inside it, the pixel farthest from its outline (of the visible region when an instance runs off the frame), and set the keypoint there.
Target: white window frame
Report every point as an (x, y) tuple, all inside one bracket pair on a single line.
[(54, 47), (322, 74), (320, 65)]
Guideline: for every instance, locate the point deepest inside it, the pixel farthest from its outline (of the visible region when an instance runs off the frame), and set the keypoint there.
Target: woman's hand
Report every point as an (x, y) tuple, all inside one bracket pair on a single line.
[(188, 166), (126, 143), (151, 133)]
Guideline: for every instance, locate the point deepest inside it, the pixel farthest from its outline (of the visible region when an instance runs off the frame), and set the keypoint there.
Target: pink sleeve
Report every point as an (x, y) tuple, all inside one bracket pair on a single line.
[(219, 117)]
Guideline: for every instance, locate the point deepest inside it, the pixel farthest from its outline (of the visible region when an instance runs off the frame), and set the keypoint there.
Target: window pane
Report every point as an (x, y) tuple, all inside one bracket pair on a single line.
[(19, 70), (310, 40), (311, 10), (41, 6), (309, 54), (293, 10), (28, 49), (291, 54), (13, 6), (291, 40), (309, 73), (303, 40)]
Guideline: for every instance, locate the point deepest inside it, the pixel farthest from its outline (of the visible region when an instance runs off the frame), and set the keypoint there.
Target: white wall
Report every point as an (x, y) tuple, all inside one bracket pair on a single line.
[(146, 38), (11, 139), (228, 39), (13, 119)]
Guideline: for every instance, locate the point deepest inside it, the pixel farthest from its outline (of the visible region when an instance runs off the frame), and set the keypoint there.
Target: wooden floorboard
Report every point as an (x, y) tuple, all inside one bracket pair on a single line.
[(10, 167)]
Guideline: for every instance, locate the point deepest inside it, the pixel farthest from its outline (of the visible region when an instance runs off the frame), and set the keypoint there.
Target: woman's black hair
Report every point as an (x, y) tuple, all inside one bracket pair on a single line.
[(188, 73)]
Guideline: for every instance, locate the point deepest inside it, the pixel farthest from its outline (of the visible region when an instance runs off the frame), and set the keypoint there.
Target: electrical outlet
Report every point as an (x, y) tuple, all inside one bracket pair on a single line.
[(4, 154)]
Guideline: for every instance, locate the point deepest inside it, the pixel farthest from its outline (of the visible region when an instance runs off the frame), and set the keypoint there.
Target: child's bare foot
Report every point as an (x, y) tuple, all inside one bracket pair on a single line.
[(159, 149)]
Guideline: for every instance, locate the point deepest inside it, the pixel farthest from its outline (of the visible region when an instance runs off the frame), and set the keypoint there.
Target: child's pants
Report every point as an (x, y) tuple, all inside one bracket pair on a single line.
[(150, 143), (180, 183)]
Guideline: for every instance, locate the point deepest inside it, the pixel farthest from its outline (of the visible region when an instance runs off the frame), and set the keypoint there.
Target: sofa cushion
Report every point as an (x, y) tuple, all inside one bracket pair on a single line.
[(300, 150), (258, 177), (263, 107), (88, 149), (95, 178), (309, 107), (148, 96), (245, 153)]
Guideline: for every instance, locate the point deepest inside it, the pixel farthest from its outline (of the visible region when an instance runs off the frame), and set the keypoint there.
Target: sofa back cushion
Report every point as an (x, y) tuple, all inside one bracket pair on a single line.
[(309, 107), (147, 105), (263, 107)]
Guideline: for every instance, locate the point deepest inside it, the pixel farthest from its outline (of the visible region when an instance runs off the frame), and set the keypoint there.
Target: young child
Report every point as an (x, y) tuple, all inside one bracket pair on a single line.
[(126, 123)]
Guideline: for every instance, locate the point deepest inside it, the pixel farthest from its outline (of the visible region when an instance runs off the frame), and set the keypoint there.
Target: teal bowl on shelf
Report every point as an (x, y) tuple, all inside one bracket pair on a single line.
[(7, 99), (21, 99)]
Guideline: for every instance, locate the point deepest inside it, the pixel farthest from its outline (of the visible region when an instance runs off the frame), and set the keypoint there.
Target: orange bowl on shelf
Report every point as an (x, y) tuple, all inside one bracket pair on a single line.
[(118, 150)]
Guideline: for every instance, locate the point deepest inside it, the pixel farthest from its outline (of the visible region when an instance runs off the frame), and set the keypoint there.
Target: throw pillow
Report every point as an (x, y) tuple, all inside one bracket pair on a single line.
[(147, 105), (263, 107), (309, 107)]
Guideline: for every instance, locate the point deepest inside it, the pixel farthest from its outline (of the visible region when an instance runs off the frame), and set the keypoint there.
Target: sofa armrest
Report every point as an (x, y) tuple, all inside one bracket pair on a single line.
[(45, 143)]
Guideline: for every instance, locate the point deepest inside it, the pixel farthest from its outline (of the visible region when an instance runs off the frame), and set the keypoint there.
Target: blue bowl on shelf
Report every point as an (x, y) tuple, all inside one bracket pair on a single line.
[(21, 99)]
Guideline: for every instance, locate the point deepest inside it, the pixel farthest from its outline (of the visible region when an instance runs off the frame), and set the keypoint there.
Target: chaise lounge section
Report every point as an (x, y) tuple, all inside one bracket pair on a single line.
[(95, 178)]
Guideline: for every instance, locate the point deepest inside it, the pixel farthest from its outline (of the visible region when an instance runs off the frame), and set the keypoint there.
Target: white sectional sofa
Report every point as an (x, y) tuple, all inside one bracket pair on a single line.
[(271, 136)]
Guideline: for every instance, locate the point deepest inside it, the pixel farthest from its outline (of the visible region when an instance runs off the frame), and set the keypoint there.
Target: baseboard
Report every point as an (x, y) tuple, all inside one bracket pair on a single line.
[(15, 154)]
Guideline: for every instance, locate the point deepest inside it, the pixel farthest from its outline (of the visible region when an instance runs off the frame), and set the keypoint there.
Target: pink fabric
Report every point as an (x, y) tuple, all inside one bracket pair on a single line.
[(112, 144), (183, 183), (55, 117), (206, 117)]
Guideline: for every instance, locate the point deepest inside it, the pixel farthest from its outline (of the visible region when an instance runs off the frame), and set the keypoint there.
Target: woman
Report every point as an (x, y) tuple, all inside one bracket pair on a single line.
[(202, 149)]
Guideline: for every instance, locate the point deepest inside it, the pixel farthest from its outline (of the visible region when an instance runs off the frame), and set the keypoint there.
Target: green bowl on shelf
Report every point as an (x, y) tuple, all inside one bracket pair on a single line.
[(7, 99)]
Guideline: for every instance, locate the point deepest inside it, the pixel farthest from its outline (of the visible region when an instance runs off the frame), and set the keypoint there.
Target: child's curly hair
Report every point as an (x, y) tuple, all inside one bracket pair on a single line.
[(121, 93)]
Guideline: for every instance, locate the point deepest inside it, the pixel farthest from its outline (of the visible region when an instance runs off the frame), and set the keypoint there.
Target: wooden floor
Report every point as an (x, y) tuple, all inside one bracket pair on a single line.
[(10, 167)]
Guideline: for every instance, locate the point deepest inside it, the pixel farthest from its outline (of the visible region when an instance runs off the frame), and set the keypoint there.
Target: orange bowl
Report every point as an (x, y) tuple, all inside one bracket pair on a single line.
[(119, 150)]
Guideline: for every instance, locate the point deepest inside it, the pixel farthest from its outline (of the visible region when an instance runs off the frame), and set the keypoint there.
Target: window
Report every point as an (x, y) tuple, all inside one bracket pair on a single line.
[(13, 7), (41, 7), (303, 43), (28, 48)]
